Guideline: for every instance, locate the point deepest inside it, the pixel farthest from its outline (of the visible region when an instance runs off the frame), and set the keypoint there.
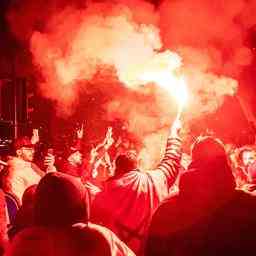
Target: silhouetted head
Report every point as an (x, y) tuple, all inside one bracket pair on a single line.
[(210, 161), (61, 200), (126, 162), (207, 148)]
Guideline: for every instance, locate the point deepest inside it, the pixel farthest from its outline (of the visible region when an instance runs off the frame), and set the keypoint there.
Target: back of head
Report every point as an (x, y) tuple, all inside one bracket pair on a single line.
[(70, 241), (207, 148), (126, 162), (210, 160), (61, 200)]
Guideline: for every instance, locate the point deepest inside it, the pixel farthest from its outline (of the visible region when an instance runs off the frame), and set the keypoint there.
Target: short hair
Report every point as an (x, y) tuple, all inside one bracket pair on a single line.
[(126, 162)]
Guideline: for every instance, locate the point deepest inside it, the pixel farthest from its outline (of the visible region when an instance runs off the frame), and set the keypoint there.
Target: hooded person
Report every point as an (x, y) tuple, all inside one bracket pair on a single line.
[(61, 201), (208, 215)]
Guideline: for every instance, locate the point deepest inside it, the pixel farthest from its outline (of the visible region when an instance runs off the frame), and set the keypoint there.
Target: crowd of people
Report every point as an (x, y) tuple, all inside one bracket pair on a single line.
[(197, 204)]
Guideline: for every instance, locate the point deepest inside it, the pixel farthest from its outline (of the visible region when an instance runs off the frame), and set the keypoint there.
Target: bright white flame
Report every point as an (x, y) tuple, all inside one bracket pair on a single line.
[(156, 68), (170, 81), (180, 91), (163, 70)]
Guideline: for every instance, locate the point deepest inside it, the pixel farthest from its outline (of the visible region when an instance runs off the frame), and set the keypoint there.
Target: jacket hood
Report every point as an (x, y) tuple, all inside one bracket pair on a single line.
[(61, 200), (208, 182)]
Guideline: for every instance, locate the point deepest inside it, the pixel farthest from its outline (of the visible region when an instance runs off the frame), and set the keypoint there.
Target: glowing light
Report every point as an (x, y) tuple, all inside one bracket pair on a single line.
[(165, 74), (180, 92)]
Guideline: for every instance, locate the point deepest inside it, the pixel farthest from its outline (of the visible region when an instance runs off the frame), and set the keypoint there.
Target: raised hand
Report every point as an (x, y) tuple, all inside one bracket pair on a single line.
[(35, 137), (109, 139), (109, 132), (49, 161), (80, 132)]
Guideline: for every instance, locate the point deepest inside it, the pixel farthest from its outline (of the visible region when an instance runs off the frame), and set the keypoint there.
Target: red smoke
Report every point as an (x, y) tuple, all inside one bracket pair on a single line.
[(216, 28), (77, 41)]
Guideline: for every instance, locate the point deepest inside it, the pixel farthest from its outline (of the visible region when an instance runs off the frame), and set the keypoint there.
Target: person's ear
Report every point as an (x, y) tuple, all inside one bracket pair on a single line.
[(18, 152)]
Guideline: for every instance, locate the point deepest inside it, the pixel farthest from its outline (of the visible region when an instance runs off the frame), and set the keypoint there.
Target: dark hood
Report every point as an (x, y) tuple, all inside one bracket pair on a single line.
[(207, 182), (61, 200)]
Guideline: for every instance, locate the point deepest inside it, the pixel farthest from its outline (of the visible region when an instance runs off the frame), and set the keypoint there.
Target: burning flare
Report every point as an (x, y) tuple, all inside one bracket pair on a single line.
[(163, 70)]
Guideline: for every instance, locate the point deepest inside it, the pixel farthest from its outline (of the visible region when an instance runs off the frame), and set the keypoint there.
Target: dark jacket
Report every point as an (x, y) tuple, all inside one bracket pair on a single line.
[(62, 201), (208, 217)]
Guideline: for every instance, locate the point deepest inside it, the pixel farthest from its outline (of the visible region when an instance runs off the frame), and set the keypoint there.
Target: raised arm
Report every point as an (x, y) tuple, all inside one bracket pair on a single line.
[(170, 164)]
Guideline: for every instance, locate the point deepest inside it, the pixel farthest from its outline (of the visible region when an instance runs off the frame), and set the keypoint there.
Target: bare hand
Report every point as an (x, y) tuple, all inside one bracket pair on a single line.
[(35, 137), (109, 140), (80, 132), (109, 132), (49, 160)]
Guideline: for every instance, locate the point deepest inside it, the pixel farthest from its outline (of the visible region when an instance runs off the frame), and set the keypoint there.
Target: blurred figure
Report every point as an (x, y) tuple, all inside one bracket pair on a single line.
[(101, 164), (35, 137), (25, 215), (232, 158), (72, 163), (246, 157), (250, 187), (21, 171), (208, 216), (2, 164), (130, 197)]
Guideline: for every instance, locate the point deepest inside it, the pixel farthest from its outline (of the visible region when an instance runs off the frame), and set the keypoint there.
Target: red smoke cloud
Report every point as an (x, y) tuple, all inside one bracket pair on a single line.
[(74, 43), (217, 28)]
